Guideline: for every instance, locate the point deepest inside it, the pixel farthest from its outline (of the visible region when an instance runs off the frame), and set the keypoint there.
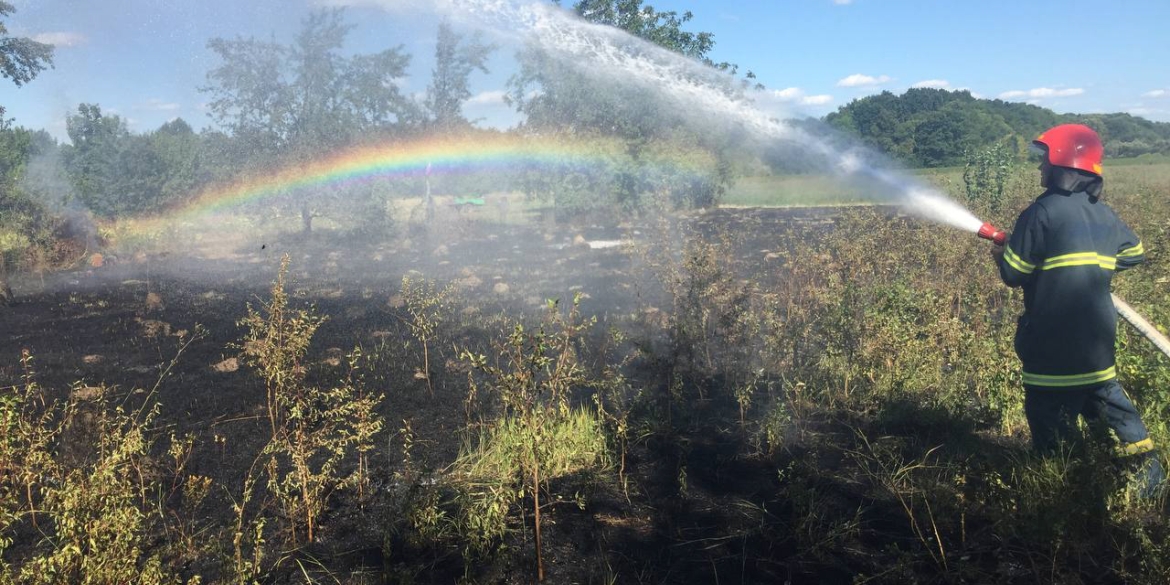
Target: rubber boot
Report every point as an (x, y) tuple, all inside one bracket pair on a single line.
[(1148, 475)]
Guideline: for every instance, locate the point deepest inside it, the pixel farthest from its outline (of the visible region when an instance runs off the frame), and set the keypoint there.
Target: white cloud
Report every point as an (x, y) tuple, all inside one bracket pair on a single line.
[(1157, 93), (935, 83), (1041, 93), (816, 100), (796, 95), (487, 109), (842, 2), (157, 105), (60, 39), (495, 96), (859, 80), (787, 94)]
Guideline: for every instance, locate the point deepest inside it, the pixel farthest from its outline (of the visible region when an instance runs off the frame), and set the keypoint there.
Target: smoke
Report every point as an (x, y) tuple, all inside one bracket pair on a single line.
[(46, 181), (710, 95)]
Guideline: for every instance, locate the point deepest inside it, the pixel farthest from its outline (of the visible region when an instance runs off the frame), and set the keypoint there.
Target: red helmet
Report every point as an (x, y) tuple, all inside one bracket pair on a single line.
[(1073, 145)]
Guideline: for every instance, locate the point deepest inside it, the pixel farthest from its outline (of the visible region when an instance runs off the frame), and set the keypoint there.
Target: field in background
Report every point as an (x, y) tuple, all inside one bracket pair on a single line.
[(1143, 173), (789, 191)]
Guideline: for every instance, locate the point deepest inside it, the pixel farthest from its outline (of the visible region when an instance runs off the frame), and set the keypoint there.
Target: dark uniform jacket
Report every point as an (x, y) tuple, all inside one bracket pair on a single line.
[(1064, 251)]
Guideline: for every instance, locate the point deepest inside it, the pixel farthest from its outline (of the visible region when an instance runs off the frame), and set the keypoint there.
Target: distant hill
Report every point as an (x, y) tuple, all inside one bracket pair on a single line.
[(935, 127)]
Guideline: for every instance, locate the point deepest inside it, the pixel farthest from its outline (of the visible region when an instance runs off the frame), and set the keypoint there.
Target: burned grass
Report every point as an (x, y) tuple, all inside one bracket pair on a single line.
[(735, 396)]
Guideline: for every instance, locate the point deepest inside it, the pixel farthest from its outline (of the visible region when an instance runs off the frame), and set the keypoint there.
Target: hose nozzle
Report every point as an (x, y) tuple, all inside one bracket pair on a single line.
[(990, 232)]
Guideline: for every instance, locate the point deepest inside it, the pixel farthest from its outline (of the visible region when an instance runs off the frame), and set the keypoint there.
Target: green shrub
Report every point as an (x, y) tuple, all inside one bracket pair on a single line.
[(538, 437), (314, 429), (80, 474), (493, 475)]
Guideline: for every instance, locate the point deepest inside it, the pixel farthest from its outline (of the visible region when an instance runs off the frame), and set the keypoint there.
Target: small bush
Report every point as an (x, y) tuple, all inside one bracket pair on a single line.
[(532, 377), (493, 475), (80, 476), (313, 429)]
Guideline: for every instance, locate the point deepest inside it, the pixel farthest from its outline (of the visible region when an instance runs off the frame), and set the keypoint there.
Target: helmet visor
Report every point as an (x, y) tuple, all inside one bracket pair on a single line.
[(1037, 152)]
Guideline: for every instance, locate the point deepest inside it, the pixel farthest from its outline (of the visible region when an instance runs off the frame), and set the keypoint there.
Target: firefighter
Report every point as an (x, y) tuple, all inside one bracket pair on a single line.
[(1064, 250)]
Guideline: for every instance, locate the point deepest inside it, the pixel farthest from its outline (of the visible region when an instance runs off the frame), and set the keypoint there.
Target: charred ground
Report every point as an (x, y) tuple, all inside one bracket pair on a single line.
[(789, 412)]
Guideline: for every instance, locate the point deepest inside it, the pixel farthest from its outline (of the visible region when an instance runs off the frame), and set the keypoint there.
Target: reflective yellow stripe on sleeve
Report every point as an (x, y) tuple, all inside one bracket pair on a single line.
[(1054, 381), (1137, 250), (1080, 259), (1016, 262)]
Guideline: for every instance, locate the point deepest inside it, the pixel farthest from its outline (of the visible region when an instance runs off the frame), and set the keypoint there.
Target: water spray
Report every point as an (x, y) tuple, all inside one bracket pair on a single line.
[(607, 53)]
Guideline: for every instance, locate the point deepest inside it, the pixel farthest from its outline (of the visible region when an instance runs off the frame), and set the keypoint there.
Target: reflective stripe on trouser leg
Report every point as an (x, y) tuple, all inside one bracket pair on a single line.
[(1143, 446)]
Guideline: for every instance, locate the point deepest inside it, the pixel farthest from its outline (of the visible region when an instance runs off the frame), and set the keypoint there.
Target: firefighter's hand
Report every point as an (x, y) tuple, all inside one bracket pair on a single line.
[(997, 252)]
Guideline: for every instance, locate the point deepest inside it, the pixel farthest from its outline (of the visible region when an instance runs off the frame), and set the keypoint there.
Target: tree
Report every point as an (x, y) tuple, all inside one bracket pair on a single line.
[(661, 28), (23, 219), (249, 95), (288, 104), (179, 152), (553, 92), (875, 118), (21, 59), (559, 94), (936, 127), (45, 179), (939, 137), (139, 174), (92, 158), (15, 147), (114, 172), (284, 98), (933, 127), (449, 87)]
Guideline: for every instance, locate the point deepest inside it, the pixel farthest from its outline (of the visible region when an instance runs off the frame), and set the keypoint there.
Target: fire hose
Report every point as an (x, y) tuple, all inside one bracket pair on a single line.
[(1144, 327), (990, 232)]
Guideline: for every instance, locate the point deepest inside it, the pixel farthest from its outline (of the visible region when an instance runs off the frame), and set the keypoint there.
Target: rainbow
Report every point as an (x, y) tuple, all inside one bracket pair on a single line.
[(420, 157)]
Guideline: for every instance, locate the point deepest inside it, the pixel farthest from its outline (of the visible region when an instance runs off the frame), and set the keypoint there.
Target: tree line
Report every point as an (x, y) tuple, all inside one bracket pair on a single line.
[(279, 104), (275, 105), (928, 127), (283, 104)]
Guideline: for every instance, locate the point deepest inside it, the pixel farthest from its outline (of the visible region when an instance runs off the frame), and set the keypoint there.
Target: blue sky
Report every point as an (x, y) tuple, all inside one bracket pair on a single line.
[(145, 59)]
